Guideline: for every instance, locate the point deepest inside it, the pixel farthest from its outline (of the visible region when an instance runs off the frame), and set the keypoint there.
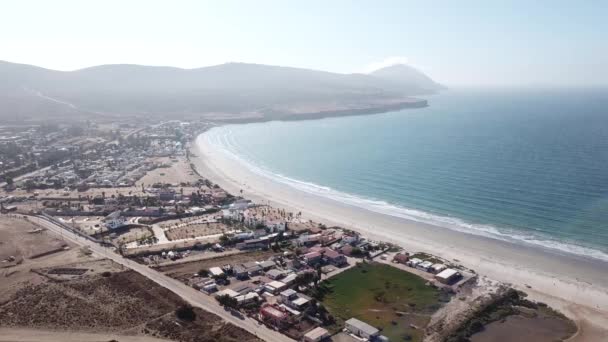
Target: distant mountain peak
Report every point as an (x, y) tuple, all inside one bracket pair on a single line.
[(407, 75)]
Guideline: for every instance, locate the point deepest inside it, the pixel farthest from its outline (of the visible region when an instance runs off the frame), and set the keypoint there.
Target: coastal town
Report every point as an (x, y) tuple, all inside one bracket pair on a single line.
[(109, 202)]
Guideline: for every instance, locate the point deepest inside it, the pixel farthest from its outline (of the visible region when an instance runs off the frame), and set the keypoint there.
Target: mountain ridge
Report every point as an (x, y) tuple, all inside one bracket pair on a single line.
[(222, 92)]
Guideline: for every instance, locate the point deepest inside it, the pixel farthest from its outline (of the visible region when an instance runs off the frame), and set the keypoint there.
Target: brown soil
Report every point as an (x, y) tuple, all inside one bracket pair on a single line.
[(120, 301), (42, 298), (204, 328), (195, 230), (22, 239), (186, 270), (123, 302), (542, 328)]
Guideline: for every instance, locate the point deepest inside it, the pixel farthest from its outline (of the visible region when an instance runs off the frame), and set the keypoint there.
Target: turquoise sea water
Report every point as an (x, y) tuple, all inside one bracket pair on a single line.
[(525, 166)]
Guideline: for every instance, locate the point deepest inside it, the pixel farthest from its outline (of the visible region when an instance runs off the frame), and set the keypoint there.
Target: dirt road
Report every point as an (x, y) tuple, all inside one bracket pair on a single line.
[(194, 297)]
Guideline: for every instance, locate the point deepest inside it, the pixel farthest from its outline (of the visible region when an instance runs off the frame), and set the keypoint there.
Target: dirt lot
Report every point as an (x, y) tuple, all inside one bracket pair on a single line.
[(193, 230), (178, 172), (186, 270), (123, 302), (71, 291), (32, 248), (205, 328), (542, 328), (24, 240)]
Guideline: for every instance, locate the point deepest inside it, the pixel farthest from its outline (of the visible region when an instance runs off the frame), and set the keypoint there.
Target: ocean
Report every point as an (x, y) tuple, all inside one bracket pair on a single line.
[(527, 166)]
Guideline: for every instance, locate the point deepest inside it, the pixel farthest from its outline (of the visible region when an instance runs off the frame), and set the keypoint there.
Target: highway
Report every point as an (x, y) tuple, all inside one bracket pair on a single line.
[(187, 293)]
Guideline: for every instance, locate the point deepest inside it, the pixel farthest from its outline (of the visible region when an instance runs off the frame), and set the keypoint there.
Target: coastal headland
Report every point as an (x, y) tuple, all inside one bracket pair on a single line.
[(574, 285)]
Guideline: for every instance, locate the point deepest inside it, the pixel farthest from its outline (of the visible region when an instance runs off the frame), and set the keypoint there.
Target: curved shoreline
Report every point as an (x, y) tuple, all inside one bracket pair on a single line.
[(575, 285)]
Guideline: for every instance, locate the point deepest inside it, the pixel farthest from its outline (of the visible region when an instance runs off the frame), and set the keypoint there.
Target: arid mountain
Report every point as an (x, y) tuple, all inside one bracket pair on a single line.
[(409, 78), (223, 92)]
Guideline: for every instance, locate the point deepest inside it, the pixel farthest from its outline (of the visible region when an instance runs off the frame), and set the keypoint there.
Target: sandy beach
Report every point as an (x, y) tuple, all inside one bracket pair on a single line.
[(574, 285)]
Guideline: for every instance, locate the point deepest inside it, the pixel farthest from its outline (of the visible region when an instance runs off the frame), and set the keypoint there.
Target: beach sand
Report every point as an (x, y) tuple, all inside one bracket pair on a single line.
[(574, 285)]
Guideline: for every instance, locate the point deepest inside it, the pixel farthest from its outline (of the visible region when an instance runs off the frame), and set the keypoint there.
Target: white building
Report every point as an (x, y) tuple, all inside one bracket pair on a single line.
[(315, 335), (447, 276), (361, 329), (114, 220)]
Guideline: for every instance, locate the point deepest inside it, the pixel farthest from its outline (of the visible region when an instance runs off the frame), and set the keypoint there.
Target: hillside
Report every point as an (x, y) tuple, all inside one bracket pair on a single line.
[(233, 91)]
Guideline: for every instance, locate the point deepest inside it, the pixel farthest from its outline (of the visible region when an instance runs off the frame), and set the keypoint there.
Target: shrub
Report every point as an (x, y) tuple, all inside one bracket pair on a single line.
[(185, 313)]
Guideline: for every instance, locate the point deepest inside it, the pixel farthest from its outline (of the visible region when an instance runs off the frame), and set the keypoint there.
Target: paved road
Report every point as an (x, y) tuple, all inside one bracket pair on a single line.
[(192, 296)]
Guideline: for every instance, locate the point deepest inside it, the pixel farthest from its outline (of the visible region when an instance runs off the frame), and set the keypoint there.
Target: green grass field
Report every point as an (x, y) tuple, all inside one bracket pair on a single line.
[(385, 297)]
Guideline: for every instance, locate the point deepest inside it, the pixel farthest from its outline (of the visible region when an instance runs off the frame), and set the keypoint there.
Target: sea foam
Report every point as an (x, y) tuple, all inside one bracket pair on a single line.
[(222, 139)]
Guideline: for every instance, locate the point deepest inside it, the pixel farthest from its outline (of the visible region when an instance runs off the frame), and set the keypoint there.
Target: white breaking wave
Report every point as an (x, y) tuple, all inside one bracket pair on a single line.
[(225, 143)]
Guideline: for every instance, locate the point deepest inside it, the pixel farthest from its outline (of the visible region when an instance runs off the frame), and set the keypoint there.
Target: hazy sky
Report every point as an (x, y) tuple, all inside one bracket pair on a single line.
[(455, 42)]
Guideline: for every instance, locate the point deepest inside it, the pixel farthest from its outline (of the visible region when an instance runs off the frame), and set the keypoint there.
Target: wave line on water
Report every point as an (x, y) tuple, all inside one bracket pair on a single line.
[(226, 144)]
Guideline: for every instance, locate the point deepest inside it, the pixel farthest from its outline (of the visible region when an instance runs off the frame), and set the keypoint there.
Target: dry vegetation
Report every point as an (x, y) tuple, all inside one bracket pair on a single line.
[(73, 292), (193, 230), (184, 271)]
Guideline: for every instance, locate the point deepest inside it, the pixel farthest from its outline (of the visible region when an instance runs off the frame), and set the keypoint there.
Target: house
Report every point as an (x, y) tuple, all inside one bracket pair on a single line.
[(247, 298), (347, 250), (252, 268), (334, 257), (268, 264), (216, 272), (447, 276), (115, 220), (228, 292), (316, 335), (274, 287), (243, 288), (240, 272), (289, 279), (288, 294), (295, 300), (413, 262), (209, 287), (252, 244), (275, 274), (361, 329), (425, 266), (308, 239), (273, 315), (350, 239), (401, 258), (312, 258), (437, 268)]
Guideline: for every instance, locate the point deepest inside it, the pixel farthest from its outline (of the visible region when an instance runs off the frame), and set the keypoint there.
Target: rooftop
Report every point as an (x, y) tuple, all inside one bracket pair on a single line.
[(362, 326)]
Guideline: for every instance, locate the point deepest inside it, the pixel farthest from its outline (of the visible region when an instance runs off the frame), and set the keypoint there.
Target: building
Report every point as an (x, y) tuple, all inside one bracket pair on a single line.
[(413, 262), (316, 335), (252, 268), (273, 315), (115, 220), (437, 268), (312, 258), (425, 266), (289, 279), (240, 272), (275, 287), (275, 274), (334, 257), (228, 292), (361, 329), (252, 244), (216, 272), (401, 258), (268, 264), (247, 298), (447, 276)]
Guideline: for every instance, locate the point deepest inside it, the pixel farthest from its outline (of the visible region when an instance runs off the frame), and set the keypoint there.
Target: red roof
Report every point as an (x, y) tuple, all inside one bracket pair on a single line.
[(274, 313), (330, 253), (312, 255)]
